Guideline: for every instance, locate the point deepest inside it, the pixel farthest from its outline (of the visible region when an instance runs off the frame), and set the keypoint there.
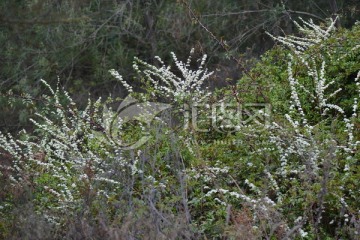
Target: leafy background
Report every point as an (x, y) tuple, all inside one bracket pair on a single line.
[(78, 41), (63, 178)]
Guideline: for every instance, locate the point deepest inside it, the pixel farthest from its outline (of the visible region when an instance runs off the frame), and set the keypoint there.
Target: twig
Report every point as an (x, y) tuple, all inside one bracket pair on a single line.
[(220, 42)]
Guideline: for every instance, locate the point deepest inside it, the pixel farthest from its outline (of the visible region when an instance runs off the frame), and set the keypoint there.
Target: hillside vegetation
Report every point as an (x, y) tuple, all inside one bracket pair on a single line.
[(274, 156)]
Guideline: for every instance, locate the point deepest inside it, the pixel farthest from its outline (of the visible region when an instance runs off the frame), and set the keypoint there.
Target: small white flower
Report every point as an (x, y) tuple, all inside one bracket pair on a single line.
[(303, 233)]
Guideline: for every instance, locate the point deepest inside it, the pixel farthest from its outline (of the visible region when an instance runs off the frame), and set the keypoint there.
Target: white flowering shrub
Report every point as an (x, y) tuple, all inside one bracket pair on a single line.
[(64, 160), (312, 155), (70, 163), (295, 178), (188, 85)]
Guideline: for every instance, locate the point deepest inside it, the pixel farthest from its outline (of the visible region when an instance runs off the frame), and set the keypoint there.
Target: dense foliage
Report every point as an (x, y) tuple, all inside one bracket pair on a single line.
[(209, 169), (79, 40)]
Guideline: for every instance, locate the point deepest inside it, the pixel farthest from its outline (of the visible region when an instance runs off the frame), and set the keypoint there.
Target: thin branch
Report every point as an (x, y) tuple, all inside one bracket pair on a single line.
[(305, 13), (5, 21), (220, 42), (235, 13)]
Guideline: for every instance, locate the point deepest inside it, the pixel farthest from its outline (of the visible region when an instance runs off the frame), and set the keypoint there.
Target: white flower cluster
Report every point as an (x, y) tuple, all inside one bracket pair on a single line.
[(69, 151), (302, 154), (352, 143), (168, 84), (121, 80), (313, 34)]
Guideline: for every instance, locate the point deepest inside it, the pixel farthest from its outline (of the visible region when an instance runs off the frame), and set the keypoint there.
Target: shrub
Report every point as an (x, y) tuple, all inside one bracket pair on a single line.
[(292, 177)]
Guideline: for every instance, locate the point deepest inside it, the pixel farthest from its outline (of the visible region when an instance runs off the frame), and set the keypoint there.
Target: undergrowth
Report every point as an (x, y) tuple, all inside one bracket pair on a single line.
[(219, 165)]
